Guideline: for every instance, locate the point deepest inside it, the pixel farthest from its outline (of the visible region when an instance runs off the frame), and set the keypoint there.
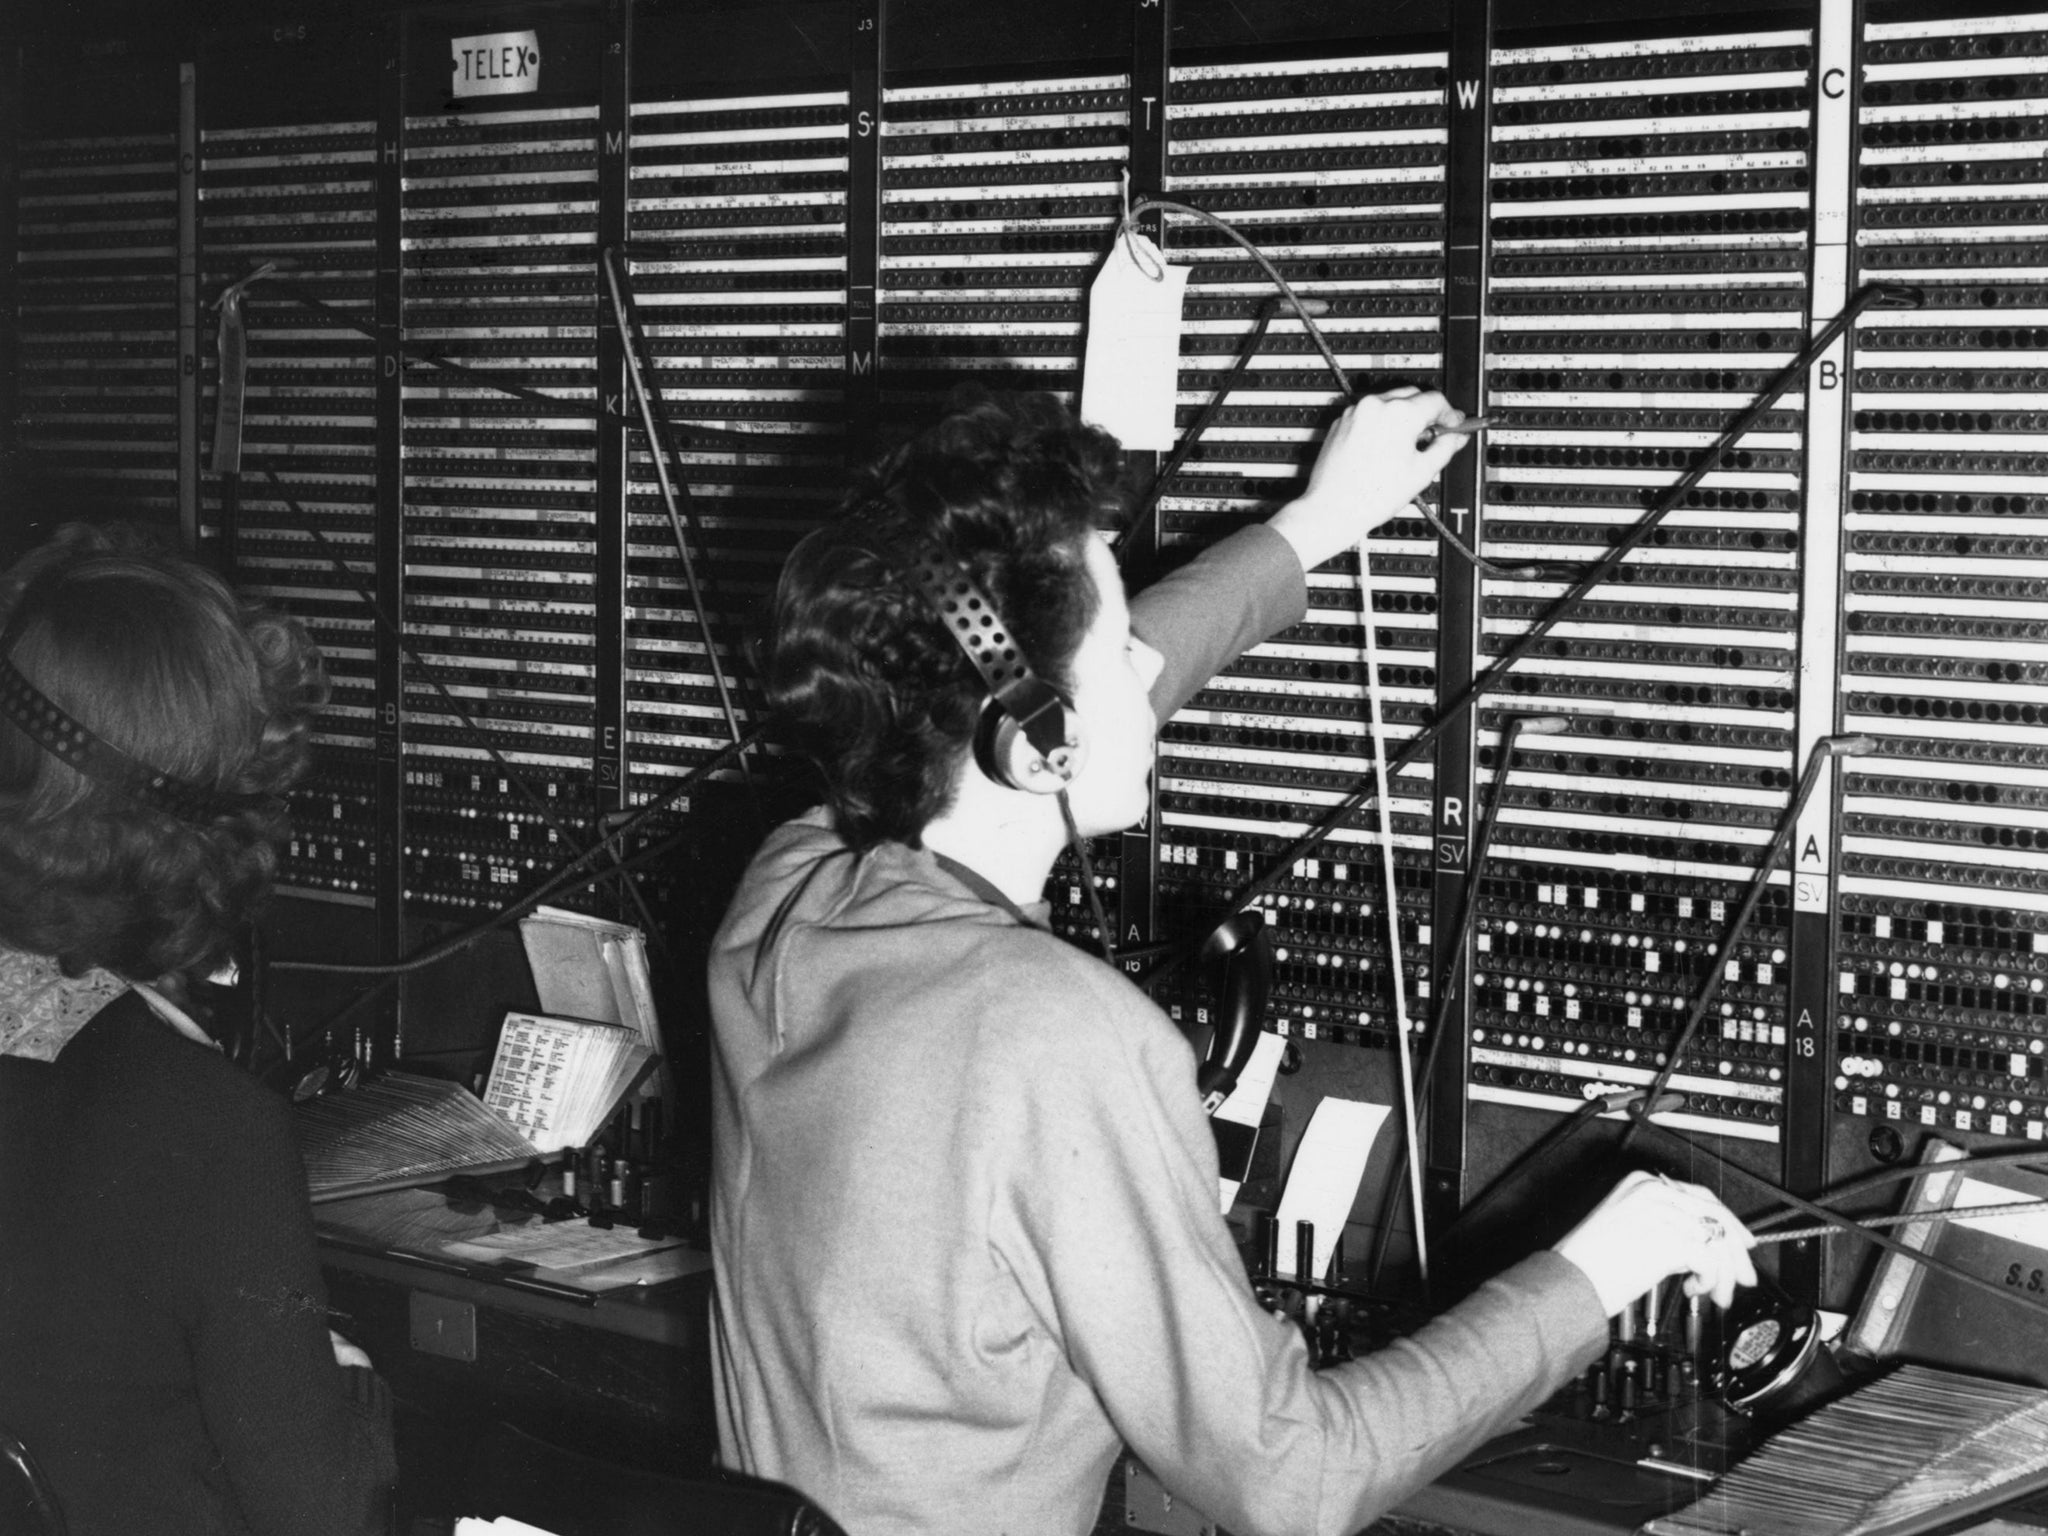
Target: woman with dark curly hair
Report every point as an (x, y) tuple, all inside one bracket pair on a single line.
[(164, 1350), (964, 1225)]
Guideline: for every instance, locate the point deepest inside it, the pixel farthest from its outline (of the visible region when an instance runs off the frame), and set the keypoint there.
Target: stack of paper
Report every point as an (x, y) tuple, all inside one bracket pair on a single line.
[(557, 1080), (585, 967), (400, 1130)]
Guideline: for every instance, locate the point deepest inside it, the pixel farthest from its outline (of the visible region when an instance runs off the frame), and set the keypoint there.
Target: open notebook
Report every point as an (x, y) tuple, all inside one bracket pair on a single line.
[(556, 1075), (400, 1130)]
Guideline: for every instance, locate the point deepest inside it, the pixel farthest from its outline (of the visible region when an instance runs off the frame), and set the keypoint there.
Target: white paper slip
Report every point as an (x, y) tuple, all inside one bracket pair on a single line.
[(1246, 1105), (1323, 1183), (1131, 367), (504, 1525), (556, 1080), (565, 1245), (2029, 1229)]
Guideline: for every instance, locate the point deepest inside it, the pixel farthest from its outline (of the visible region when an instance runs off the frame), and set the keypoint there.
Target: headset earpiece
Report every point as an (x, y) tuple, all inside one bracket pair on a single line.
[(1026, 737), (1004, 753)]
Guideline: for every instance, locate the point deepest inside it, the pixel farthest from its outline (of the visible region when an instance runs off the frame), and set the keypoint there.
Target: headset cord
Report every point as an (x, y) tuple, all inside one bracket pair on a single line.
[(1080, 846)]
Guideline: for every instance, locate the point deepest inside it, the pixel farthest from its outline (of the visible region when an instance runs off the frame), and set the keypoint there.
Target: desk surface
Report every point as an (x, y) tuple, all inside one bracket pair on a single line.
[(571, 1363), (399, 1236), (392, 1244), (622, 1374)]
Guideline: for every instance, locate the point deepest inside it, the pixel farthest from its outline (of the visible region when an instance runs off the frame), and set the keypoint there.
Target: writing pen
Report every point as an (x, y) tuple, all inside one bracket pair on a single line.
[(1471, 426)]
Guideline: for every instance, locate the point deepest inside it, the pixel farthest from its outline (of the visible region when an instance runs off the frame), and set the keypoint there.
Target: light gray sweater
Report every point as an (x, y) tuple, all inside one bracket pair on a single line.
[(964, 1214)]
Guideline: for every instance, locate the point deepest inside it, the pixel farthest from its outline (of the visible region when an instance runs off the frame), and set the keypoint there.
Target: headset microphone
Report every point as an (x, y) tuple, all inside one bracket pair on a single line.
[(1241, 951)]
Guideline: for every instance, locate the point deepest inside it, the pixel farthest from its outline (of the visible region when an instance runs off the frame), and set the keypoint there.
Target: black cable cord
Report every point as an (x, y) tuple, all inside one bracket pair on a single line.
[(656, 444), (1655, 1099), (639, 345), (1141, 515), (1836, 1219), (652, 929), (654, 425), (512, 774), (385, 621), (1823, 751), (1908, 1174), (1640, 1106), (526, 789), (484, 378), (382, 978), (1350, 390), (1150, 951), (307, 522), (1553, 1141), (565, 877), (568, 878), (1660, 507)]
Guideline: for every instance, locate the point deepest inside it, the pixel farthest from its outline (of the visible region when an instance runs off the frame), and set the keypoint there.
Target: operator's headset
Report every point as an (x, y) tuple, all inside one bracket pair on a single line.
[(1028, 738)]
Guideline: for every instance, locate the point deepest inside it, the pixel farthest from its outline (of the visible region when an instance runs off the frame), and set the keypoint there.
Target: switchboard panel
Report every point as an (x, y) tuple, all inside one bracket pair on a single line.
[(1649, 225), (737, 216), (96, 267), (1334, 168), (445, 469), (500, 544), (1942, 960), (295, 509), (997, 199)]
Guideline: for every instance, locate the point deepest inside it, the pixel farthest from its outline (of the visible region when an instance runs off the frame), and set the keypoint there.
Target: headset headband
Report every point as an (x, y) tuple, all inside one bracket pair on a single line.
[(972, 620), (49, 727)]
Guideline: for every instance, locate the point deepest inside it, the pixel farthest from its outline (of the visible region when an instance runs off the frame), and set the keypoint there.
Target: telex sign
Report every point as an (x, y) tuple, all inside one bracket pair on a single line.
[(496, 64)]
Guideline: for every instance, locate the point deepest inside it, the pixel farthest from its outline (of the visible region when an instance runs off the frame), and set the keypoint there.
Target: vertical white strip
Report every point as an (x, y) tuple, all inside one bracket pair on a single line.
[(1397, 963), (1827, 422), (1834, 127)]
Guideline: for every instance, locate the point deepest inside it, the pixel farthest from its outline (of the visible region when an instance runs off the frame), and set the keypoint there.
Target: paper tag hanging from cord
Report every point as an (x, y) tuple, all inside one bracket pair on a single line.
[(1131, 370)]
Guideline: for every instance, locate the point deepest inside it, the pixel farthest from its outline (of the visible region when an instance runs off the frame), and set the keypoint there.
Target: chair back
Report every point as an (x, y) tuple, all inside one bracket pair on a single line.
[(28, 1506), (515, 1474)]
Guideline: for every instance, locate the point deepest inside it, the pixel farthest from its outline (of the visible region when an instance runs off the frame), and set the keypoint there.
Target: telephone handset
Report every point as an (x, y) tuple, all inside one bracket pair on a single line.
[(1239, 958)]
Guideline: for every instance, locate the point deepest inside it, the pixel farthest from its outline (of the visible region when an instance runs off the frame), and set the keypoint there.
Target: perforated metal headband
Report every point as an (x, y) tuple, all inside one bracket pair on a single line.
[(972, 620), (49, 727)]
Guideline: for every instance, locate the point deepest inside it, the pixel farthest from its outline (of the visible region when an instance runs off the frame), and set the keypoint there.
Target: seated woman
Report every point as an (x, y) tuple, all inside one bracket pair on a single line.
[(164, 1350)]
